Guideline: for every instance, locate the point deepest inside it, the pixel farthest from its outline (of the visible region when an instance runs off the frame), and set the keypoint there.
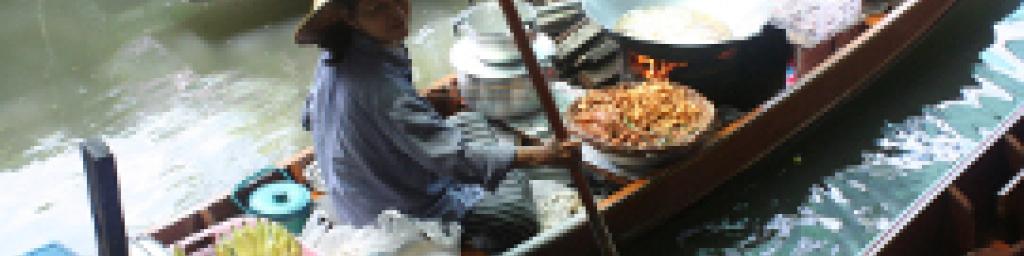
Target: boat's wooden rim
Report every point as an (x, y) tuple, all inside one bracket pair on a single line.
[(642, 205), (185, 229)]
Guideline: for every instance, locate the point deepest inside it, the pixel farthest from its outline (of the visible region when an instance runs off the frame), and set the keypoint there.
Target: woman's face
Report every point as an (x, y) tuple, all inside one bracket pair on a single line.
[(385, 20)]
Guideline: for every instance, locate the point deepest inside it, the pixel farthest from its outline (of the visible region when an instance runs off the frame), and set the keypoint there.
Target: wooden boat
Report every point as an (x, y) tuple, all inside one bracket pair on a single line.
[(185, 230), (641, 203)]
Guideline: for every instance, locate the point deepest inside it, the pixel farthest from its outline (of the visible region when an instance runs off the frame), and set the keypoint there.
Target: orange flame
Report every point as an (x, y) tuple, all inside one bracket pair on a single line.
[(654, 69)]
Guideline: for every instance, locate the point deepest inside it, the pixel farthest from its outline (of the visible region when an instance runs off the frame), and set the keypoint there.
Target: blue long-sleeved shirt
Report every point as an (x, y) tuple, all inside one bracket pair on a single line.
[(380, 146)]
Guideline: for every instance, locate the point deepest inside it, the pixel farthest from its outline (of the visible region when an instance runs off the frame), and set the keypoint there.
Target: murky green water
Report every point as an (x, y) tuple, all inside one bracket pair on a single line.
[(190, 96)]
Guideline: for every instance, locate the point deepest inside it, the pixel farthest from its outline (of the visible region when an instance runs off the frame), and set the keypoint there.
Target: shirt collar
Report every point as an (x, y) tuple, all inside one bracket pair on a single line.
[(364, 44)]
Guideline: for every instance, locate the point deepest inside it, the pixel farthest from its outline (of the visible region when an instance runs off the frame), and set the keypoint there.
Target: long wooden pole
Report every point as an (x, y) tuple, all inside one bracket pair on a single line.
[(601, 235), (104, 198)]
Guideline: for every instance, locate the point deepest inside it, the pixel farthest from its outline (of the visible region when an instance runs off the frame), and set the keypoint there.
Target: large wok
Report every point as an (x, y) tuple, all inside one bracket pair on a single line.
[(742, 70), (744, 18)]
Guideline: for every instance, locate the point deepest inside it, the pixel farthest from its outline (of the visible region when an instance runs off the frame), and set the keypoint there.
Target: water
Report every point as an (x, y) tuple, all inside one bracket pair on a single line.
[(190, 96)]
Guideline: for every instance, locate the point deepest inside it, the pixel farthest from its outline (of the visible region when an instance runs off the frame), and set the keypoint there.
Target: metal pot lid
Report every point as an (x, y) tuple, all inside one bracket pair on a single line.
[(487, 19), (485, 26), (497, 61), (657, 21)]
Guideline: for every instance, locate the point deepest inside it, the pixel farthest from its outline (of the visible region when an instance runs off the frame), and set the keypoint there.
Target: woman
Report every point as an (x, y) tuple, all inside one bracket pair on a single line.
[(379, 145)]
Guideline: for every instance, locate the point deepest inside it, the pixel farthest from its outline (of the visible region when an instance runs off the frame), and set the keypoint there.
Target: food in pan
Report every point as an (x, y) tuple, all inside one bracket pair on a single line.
[(646, 115), (673, 25)]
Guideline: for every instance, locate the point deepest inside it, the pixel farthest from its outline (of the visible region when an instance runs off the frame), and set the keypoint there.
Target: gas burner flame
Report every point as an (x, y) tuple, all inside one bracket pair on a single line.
[(654, 69)]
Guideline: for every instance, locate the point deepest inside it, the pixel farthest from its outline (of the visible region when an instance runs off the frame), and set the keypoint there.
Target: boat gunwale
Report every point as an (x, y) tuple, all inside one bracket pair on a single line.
[(185, 226), (841, 75)]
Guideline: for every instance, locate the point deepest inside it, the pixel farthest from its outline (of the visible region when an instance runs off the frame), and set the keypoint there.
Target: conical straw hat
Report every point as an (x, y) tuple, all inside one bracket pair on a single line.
[(319, 19)]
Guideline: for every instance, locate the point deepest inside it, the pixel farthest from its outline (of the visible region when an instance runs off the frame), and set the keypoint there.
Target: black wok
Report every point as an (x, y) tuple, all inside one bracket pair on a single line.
[(744, 18)]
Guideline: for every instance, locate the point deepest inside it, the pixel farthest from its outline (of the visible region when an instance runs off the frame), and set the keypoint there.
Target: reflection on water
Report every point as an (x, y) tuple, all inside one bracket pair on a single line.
[(190, 96), (837, 186)]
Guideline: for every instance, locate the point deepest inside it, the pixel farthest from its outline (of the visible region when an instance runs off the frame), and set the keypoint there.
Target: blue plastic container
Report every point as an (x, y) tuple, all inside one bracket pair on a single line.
[(285, 202), (51, 249)]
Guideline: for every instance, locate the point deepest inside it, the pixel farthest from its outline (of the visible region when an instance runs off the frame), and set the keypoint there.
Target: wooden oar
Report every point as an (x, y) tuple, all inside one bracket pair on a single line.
[(601, 235)]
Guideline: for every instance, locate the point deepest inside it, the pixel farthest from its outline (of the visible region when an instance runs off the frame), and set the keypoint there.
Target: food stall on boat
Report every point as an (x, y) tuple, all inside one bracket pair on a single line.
[(619, 82), (924, 162)]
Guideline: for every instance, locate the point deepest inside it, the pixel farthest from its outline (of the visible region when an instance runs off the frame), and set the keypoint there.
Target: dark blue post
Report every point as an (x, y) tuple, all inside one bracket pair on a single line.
[(105, 198)]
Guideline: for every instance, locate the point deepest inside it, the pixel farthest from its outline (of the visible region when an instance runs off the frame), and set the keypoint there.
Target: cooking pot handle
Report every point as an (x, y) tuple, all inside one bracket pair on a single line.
[(251, 179)]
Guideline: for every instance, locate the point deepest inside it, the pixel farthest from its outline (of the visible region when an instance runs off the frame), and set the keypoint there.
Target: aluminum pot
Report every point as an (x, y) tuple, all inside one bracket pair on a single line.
[(492, 77), (499, 98)]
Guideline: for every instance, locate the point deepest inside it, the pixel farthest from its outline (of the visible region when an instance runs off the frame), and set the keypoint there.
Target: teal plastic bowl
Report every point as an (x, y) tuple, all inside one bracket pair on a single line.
[(285, 202)]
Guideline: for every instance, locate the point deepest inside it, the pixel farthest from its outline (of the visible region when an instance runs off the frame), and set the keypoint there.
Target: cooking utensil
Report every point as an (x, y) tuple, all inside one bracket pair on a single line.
[(742, 20), (493, 79), (285, 201), (621, 145)]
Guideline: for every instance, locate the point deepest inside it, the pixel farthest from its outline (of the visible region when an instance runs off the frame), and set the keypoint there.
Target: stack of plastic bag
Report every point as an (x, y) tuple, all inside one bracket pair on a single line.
[(809, 22), (393, 234), (556, 203)]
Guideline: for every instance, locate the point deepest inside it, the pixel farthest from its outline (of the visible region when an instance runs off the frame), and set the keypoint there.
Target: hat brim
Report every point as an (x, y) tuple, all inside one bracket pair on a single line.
[(316, 23)]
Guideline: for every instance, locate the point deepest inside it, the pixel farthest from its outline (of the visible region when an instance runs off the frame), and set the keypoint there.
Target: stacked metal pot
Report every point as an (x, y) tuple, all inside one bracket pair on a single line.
[(493, 79)]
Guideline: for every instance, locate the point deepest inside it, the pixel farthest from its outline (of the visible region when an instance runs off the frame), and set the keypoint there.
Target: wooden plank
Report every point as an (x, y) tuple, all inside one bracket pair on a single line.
[(847, 36), (297, 164), (1014, 151), (737, 124), (968, 206), (946, 227), (1010, 207), (961, 214), (809, 58), (602, 238), (608, 175), (927, 235), (1017, 249), (1000, 248), (184, 225), (622, 193), (221, 208), (918, 206), (104, 198), (826, 85)]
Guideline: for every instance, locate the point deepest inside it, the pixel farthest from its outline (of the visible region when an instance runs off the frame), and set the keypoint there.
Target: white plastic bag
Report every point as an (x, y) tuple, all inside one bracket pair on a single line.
[(393, 234), (809, 22)]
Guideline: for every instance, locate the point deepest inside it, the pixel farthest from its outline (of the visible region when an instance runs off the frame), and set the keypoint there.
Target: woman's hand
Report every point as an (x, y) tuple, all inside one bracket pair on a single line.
[(550, 155), (444, 95)]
